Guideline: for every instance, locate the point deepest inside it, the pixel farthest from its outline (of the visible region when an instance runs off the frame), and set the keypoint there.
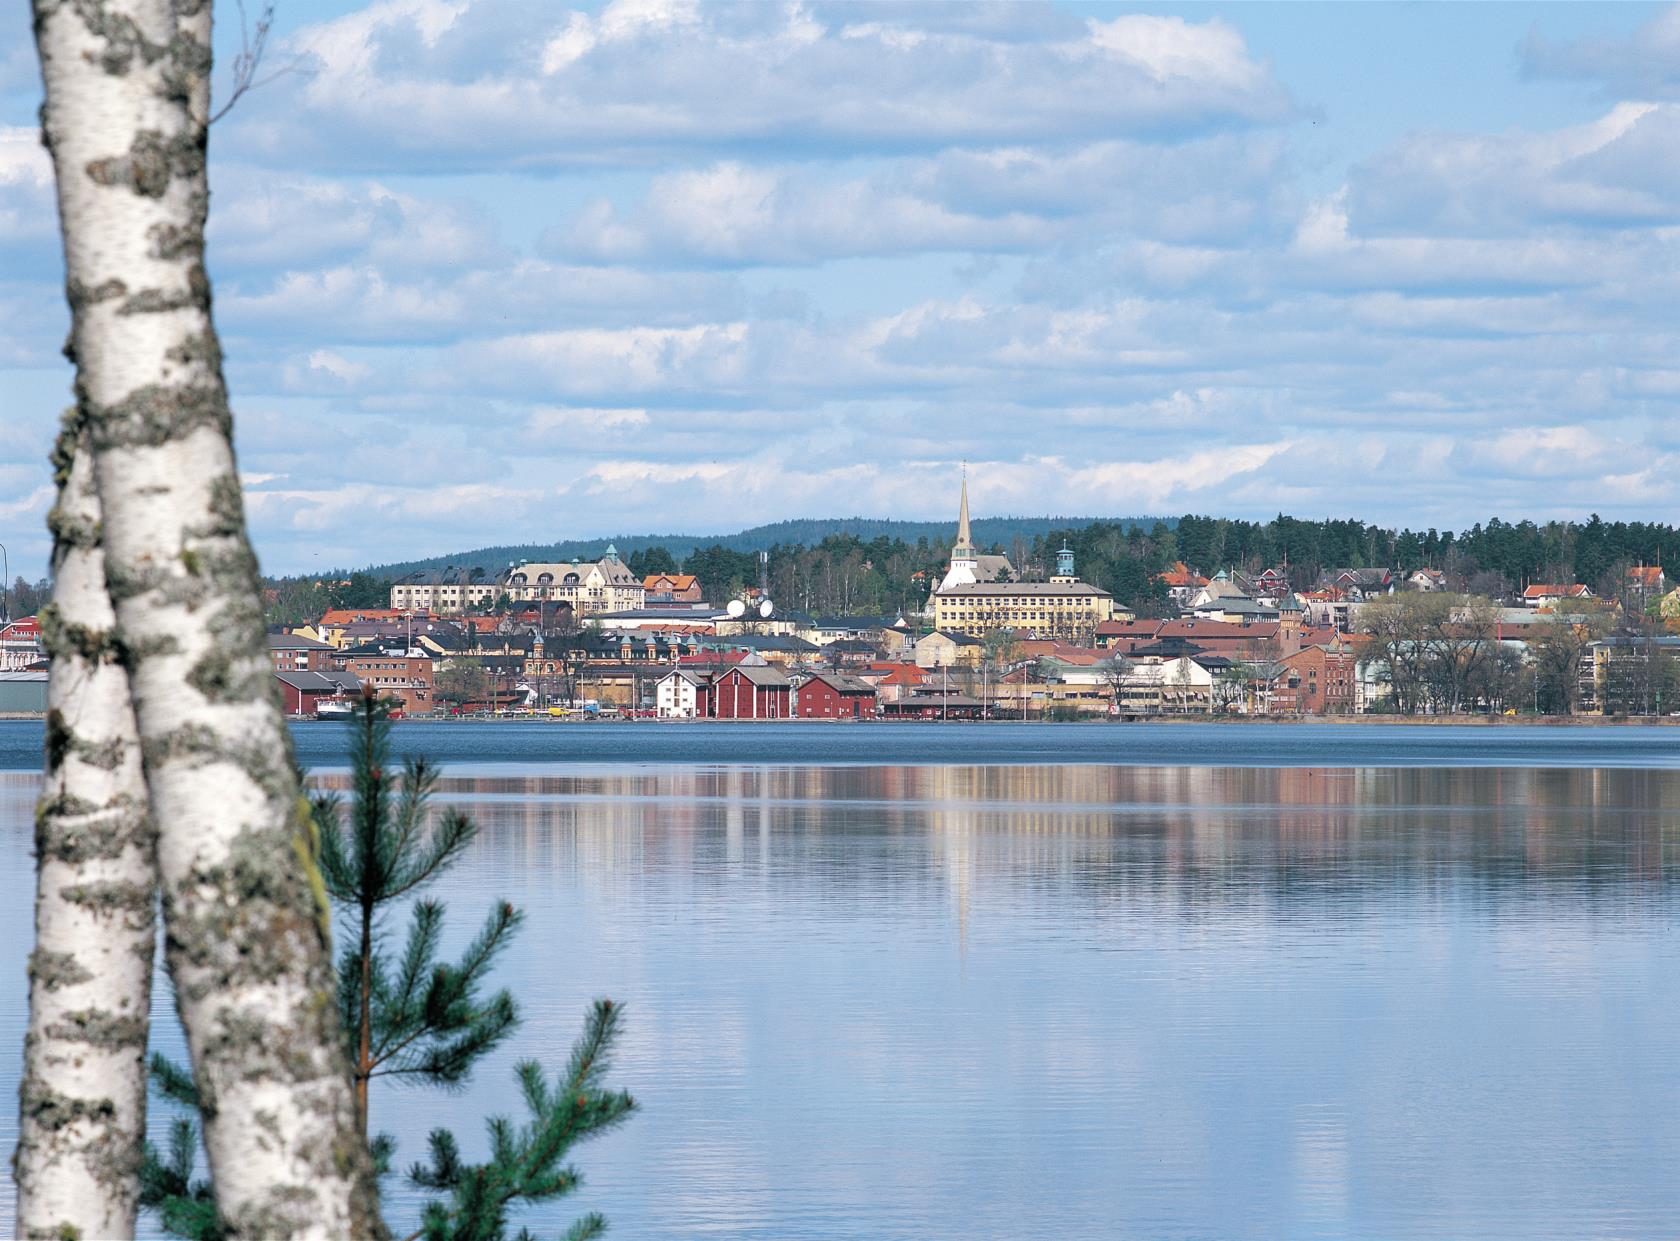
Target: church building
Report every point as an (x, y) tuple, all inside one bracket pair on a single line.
[(982, 594)]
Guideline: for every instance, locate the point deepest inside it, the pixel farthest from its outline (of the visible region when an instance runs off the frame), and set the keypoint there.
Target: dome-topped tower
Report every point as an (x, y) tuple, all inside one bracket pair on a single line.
[(1064, 565)]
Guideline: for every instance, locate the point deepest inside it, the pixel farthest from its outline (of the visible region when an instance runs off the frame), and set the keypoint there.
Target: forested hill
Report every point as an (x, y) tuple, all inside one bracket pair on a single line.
[(805, 532), (860, 566)]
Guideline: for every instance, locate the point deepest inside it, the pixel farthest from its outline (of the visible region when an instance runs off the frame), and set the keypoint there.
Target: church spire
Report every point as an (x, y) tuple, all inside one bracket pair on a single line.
[(964, 547)]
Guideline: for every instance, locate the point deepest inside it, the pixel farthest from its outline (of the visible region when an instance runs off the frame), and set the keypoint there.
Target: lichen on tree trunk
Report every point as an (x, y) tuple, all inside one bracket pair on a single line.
[(82, 1112), (127, 98)]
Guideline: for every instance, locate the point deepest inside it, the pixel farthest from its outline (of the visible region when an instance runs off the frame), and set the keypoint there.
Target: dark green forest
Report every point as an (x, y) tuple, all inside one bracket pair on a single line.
[(802, 532), (846, 573)]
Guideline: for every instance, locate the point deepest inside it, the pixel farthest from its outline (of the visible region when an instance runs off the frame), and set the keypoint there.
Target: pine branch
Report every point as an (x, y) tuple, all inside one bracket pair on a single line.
[(447, 1064), (450, 838), (173, 1082), (397, 1020), (591, 1225), (526, 1162)]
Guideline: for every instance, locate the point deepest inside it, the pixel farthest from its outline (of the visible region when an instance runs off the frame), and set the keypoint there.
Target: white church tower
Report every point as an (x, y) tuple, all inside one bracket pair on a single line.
[(965, 564)]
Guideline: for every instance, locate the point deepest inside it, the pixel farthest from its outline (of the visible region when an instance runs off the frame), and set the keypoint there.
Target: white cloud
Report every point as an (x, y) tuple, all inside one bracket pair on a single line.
[(640, 266), (1645, 64), (28, 214), (478, 84), (573, 420), (1012, 200), (266, 221), (1613, 172)]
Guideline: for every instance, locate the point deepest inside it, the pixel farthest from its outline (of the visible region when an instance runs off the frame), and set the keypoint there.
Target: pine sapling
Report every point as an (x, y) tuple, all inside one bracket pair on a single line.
[(407, 1014)]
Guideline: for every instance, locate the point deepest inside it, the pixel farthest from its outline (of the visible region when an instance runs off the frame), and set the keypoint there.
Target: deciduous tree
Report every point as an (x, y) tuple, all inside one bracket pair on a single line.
[(83, 1098), (126, 123)]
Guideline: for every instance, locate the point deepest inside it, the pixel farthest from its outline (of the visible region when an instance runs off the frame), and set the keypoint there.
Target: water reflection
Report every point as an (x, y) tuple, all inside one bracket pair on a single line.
[(1223, 829), (980, 1001)]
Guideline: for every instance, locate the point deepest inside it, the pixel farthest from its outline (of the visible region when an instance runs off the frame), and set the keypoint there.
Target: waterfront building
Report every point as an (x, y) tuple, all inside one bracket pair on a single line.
[(750, 692), (834, 696), (679, 693)]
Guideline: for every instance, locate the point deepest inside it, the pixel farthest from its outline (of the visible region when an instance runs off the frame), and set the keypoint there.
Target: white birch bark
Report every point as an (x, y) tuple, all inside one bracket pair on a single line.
[(82, 1116), (245, 915)]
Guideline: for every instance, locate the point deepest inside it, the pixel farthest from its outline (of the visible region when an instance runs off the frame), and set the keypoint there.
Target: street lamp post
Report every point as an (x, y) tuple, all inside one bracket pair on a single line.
[(5, 586)]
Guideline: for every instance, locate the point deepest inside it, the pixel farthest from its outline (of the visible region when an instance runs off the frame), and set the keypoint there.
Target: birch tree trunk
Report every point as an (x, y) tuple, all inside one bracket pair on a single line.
[(83, 1103), (245, 914)]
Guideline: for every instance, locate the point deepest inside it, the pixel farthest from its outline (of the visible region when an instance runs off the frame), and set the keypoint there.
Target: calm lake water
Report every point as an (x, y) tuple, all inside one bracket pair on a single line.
[(996, 982)]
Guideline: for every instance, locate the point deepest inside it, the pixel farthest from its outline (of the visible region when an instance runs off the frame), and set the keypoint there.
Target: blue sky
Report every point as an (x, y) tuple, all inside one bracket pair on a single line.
[(503, 271)]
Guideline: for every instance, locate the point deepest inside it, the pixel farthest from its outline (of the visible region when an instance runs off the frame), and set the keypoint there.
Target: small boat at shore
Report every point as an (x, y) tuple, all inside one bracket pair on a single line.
[(334, 709)]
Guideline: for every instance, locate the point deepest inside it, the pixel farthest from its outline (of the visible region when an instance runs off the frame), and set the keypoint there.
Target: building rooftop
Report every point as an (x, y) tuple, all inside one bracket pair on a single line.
[(1019, 590)]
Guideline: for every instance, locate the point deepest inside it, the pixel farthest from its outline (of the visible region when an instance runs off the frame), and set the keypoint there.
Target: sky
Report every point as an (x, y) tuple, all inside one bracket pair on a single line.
[(498, 271)]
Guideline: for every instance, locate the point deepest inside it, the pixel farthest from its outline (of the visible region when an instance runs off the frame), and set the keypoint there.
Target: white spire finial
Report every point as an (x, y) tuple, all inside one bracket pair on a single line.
[(965, 541)]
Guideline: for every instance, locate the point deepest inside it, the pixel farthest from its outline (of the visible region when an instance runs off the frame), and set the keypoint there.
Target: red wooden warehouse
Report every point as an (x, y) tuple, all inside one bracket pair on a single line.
[(833, 696), (748, 692)]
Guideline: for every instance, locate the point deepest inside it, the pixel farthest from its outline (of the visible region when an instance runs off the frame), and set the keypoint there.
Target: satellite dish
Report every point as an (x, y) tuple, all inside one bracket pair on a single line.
[(765, 608), (736, 609)]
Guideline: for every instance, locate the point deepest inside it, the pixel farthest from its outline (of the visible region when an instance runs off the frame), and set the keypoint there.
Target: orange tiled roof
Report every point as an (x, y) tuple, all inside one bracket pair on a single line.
[(1066, 652), (1542, 590), (1645, 574), (349, 616), (1180, 575), (674, 581)]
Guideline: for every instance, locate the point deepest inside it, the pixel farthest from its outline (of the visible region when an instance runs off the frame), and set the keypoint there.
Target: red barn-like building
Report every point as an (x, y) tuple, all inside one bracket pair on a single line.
[(833, 696), (750, 692)]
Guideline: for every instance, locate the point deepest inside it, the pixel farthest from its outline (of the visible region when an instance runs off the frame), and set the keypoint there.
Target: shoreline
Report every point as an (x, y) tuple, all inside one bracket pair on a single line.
[(1385, 721)]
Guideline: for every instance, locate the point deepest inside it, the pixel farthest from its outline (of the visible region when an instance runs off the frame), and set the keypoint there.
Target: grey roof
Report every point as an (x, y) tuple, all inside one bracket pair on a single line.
[(371, 650), (929, 696), (845, 684), (959, 639), (1241, 606), (855, 624), (761, 674), (293, 642), (309, 682), (688, 674), (850, 646), (786, 643)]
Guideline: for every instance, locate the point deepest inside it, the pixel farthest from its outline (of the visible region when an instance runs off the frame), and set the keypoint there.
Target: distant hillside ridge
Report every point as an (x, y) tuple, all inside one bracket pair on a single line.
[(805, 532)]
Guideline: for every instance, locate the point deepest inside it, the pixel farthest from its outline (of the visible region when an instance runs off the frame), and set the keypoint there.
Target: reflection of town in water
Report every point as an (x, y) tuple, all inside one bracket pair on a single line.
[(1086, 1001), (1194, 837)]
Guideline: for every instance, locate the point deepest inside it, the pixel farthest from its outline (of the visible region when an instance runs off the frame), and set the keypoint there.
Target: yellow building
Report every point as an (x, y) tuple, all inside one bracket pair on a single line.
[(606, 585), (1055, 609), (1064, 607)]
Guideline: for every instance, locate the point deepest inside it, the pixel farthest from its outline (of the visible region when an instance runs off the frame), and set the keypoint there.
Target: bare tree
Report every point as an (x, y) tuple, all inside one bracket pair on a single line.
[(126, 122), (1115, 671), (83, 1102)]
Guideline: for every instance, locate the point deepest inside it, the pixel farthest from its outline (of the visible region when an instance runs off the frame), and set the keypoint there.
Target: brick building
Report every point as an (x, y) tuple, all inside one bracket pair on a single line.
[(1316, 680), (292, 653), (405, 677), (671, 590)]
